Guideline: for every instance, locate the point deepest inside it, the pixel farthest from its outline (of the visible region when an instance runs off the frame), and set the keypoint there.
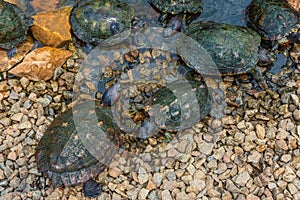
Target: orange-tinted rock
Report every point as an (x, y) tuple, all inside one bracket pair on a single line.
[(41, 63), (44, 5), (7, 63), (52, 28), (295, 4)]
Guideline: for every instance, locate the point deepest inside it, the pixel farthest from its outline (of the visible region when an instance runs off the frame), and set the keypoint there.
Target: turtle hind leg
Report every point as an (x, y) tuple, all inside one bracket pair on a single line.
[(92, 188)]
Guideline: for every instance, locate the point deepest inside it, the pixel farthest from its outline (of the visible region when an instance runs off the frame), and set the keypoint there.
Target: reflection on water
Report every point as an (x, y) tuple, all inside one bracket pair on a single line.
[(226, 11)]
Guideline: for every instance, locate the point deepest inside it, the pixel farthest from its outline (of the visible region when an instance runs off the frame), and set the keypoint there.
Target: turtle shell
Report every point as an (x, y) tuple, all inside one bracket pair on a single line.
[(101, 21), (62, 156), (177, 6), (182, 105), (272, 19), (13, 25), (212, 47)]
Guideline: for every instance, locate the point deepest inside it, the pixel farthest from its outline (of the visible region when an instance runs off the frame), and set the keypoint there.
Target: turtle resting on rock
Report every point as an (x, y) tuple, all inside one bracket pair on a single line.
[(179, 9), (232, 49), (61, 154), (101, 21), (13, 25)]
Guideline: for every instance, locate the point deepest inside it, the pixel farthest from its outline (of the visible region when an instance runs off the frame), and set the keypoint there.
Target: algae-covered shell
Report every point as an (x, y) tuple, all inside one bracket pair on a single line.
[(13, 25), (217, 47), (272, 19), (101, 21), (61, 154)]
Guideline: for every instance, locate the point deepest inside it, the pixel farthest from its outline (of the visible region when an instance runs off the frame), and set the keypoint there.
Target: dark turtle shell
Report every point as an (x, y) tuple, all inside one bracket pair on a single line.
[(61, 154), (212, 47), (13, 25), (177, 6), (183, 104), (272, 19), (101, 21)]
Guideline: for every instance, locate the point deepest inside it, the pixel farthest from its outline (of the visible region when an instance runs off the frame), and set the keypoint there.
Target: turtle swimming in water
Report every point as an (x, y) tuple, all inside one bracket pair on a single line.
[(13, 25), (272, 19), (181, 10), (101, 21), (62, 155)]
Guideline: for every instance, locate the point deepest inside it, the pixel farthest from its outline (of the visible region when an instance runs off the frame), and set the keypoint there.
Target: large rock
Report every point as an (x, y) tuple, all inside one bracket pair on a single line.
[(6, 62), (52, 28), (41, 63)]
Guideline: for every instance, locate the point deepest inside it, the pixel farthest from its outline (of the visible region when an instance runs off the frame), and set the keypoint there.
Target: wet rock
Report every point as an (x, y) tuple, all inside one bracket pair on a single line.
[(52, 28), (295, 4), (44, 5), (41, 63), (6, 63)]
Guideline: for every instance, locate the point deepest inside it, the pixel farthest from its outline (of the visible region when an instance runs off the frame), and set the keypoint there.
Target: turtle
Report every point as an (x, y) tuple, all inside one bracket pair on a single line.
[(101, 21), (232, 49), (272, 19), (13, 26), (179, 8), (182, 104), (62, 155)]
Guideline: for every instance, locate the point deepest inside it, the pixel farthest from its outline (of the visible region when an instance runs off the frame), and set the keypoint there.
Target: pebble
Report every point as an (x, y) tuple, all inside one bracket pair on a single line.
[(143, 193), (142, 175), (289, 174), (242, 178), (114, 172), (260, 131), (165, 195)]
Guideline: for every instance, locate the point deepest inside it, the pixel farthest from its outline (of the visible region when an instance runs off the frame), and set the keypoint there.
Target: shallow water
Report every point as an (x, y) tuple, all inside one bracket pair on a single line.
[(226, 11)]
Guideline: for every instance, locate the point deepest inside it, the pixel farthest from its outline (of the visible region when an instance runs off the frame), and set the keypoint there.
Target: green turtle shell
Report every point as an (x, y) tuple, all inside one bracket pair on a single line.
[(186, 105), (101, 21), (13, 25), (62, 156), (212, 47), (272, 19), (177, 6)]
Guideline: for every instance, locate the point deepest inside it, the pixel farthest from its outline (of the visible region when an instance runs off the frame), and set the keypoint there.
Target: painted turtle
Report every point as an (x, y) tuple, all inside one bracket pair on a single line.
[(233, 49), (13, 25), (272, 19), (101, 22), (61, 154)]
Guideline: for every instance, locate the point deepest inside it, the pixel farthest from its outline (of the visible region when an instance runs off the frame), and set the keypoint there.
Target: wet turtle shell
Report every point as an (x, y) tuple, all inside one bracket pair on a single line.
[(13, 25), (212, 47), (177, 6), (272, 19), (101, 21), (61, 154), (183, 104)]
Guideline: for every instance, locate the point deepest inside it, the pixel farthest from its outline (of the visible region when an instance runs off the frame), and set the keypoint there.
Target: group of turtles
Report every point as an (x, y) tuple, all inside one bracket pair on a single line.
[(234, 49)]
